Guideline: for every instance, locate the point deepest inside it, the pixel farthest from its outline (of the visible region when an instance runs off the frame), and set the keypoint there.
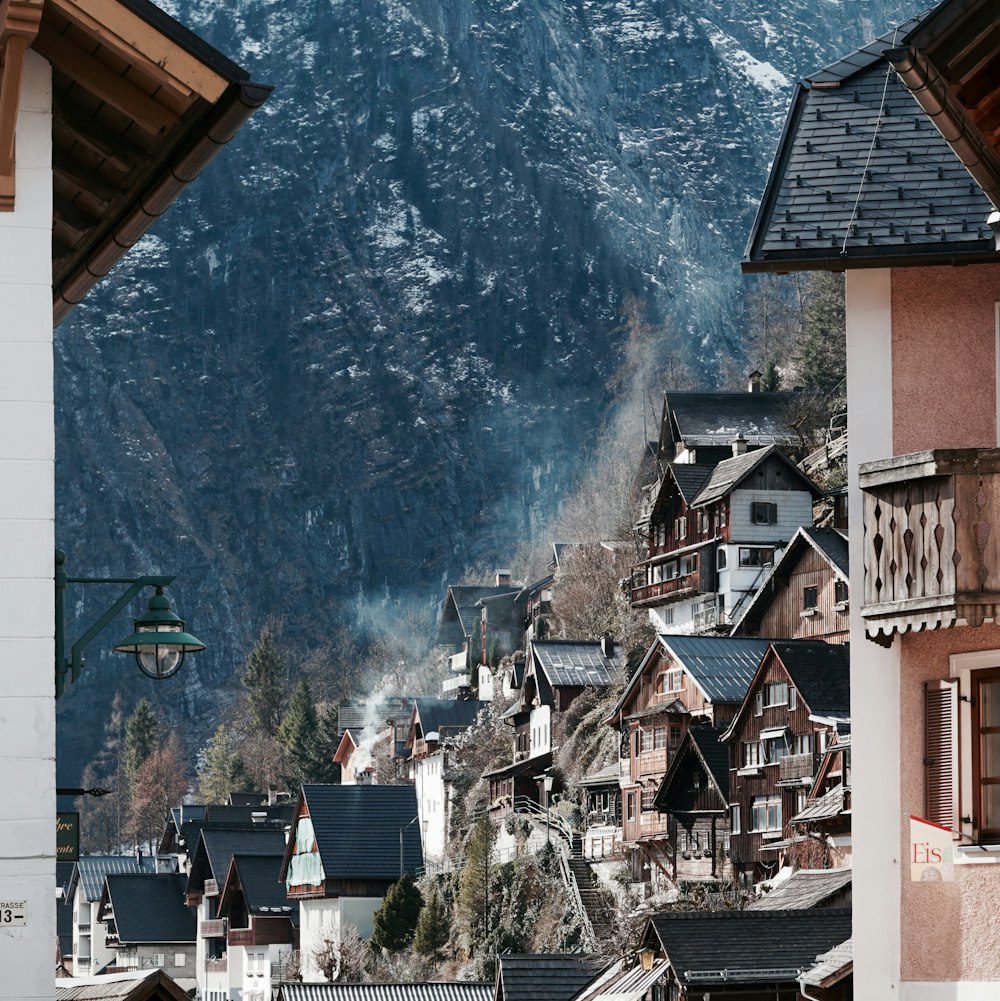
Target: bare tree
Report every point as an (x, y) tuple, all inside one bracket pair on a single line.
[(160, 783)]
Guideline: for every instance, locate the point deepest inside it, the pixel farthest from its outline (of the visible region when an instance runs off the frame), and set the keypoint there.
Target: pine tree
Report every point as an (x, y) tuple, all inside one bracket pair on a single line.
[(298, 736), (264, 681), (142, 735), (324, 769), (395, 922), (823, 351), (222, 770), (432, 928), (474, 905)]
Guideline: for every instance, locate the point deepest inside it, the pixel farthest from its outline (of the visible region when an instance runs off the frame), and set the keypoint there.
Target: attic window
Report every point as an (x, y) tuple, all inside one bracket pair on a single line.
[(810, 597), (763, 513)]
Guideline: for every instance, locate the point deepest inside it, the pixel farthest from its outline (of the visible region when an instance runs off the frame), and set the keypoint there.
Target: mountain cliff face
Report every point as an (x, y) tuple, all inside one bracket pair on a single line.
[(369, 343)]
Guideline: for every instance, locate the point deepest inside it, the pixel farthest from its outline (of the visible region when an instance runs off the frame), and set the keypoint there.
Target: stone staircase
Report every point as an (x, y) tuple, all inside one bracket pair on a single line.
[(593, 900)]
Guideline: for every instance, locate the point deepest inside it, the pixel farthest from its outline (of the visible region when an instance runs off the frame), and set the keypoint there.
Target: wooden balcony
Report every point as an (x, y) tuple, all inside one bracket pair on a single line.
[(931, 541), (213, 928), (797, 769), (663, 591)]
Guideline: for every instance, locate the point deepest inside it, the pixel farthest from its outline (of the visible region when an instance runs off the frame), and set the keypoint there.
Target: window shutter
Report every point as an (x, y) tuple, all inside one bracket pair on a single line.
[(941, 752)]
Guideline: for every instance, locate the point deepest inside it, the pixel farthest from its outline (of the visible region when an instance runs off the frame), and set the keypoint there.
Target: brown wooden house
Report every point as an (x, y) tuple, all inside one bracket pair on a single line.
[(823, 827), (681, 680), (798, 698), (694, 794), (806, 594)]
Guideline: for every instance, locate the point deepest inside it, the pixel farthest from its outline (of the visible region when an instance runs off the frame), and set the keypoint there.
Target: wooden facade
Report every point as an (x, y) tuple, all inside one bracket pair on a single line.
[(811, 604), (774, 753)]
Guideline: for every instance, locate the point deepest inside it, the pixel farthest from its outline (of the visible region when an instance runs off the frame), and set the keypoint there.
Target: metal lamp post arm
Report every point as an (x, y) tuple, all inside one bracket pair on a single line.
[(73, 664)]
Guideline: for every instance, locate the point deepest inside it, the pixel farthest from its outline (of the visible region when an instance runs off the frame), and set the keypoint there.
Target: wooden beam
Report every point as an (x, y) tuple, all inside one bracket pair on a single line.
[(136, 41), (115, 149), (111, 88), (19, 20), (97, 187)]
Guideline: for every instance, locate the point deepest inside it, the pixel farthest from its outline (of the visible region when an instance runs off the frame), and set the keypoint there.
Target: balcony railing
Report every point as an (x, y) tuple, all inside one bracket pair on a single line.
[(707, 619), (673, 589), (217, 965), (794, 768), (213, 928), (931, 540)]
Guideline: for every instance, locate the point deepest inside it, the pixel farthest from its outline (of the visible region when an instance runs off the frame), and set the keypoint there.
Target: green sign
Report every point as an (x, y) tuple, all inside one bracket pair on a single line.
[(67, 837)]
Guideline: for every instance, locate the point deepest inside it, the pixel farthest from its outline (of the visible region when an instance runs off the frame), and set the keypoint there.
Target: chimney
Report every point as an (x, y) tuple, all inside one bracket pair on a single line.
[(503, 578), (607, 646), (272, 795), (754, 384), (739, 445)]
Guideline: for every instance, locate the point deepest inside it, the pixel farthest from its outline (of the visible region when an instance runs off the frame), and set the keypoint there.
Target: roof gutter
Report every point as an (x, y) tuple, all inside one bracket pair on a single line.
[(237, 104), (931, 91)]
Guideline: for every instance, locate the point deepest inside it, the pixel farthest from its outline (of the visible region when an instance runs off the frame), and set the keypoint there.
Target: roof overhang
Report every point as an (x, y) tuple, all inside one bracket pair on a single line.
[(140, 105)]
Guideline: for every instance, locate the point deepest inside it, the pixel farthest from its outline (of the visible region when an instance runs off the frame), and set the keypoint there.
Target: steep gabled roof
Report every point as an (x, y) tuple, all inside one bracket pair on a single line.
[(828, 542), (461, 605), (831, 966), (822, 674), (730, 473), (703, 743), (546, 977), (464, 991), (445, 716), (259, 879), (91, 870), (573, 663), (216, 846), (715, 419), (745, 947), (803, 889), (142, 985), (840, 195), (690, 477), (150, 909), (358, 828)]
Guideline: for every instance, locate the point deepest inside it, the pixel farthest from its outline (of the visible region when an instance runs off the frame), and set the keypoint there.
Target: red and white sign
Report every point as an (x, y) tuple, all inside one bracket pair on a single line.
[(932, 852)]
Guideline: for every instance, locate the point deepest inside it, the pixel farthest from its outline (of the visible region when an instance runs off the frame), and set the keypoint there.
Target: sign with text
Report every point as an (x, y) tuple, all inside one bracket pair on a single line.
[(67, 837), (932, 852), (12, 912)]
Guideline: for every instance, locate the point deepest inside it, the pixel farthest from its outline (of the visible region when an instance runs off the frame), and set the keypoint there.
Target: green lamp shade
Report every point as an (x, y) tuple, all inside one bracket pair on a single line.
[(159, 641)]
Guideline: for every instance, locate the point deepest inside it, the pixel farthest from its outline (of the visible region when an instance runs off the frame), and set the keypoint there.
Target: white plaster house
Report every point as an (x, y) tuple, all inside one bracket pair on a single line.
[(47, 264)]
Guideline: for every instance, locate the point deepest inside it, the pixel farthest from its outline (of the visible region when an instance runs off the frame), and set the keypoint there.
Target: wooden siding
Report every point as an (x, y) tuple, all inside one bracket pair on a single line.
[(747, 784), (783, 617), (263, 931), (699, 847)]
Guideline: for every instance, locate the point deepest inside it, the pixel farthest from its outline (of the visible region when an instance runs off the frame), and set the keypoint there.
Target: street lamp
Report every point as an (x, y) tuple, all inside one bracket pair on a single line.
[(159, 641), (409, 823)]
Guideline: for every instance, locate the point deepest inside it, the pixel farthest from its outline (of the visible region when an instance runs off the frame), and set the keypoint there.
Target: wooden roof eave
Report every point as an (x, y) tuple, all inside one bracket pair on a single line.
[(118, 234)]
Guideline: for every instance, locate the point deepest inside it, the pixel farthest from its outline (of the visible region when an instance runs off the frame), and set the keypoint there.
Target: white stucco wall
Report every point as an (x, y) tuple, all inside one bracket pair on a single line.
[(27, 542), (875, 721), (428, 780), (328, 917)]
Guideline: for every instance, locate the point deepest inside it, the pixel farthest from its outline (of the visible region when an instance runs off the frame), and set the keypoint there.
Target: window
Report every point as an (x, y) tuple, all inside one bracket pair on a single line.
[(751, 754), (722, 515), (720, 558), (667, 614), (647, 740), (810, 597), (763, 513), (631, 806), (793, 698), (766, 814), (802, 744), (179, 959), (986, 753), (675, 736), (660, 738), (158, 959), (800, 799), (840, 592), (648, 795), (758, 704), (776, 694), (675, 680), (681, 528), (756, 556), (775, 748), (734, 819)]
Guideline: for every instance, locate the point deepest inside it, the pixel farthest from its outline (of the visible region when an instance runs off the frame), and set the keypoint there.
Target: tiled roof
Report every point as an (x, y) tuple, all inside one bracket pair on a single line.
[(729, 473), (915, 201), (722, 666), (737, 947), (464, 600), (571, 663), (830, 966), (832, 544), (356, 716), (210, 859), (448, 714), (717, 418), (803, 889), (829, 805), (602, 776), (822, 674), (260, 878), (358, 828), (150, 909), (547, 977), (690, 477), (91, 871), (143, 985), (465, 991)]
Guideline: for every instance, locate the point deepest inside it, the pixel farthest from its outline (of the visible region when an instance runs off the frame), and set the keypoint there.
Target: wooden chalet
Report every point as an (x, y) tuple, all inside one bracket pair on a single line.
[(694, 794), (799, 697), (710, 530), (603, 809), (806, 594), (680, 681), (143, 985), (826, 817)]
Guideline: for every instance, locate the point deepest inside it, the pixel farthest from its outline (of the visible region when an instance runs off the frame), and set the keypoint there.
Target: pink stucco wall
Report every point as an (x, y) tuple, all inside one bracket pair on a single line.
[(944, 396), (943, 351)]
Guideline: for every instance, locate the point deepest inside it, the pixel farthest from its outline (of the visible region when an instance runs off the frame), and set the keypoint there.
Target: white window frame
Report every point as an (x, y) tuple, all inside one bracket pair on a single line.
[(734, 819)]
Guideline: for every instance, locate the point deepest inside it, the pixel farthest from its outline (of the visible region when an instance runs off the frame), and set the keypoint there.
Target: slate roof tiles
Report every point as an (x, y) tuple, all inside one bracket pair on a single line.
[(571, 663), (803, 889), (722, 666), (150, 909), (822, 674), (547, 977), (91, 871)]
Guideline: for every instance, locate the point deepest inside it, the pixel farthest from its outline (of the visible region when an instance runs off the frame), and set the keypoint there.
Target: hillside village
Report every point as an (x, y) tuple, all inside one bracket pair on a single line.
[(595, 793)]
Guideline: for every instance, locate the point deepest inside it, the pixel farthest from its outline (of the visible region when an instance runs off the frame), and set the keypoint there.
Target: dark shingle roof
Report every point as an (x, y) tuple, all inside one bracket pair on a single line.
[(716, 418), (150, 909), (730, 472), (387, 992), (92, 869), (260, 878), (804, 889), (567, 662), (547, 977), (356, 716), (702, 742), (832, 544), (917, 202), (449, 715), (706, 947), (464, 600), (821, 672), (690, 477), (357, 830), (722, 666), (713, 753), (210, 860)]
